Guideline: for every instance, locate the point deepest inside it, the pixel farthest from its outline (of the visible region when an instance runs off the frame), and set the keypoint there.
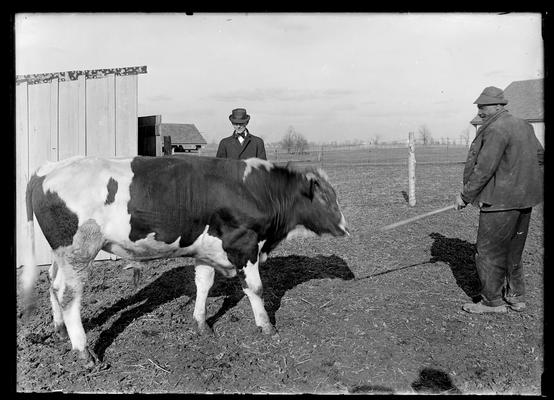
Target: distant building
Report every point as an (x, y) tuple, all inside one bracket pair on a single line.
[(185, 138), (525, 100)]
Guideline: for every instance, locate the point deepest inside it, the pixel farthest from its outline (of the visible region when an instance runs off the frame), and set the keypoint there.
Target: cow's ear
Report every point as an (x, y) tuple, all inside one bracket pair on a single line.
[(311, 176)]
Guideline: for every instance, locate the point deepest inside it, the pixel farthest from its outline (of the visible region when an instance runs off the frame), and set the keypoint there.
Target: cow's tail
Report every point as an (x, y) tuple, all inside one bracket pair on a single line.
[(30, 270)]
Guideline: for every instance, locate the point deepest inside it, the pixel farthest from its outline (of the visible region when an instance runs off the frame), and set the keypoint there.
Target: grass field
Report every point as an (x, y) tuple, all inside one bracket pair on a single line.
[(369, 156), (376, 312)]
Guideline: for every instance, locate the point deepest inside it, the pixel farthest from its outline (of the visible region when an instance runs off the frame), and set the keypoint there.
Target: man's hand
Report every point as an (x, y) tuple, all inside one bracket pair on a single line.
[(460, 203)]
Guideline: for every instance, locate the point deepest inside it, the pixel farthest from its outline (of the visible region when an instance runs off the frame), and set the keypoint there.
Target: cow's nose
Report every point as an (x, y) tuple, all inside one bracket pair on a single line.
[(342, 225)]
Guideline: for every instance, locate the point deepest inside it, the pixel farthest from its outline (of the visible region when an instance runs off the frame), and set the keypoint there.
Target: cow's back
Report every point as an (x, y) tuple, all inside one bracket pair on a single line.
[(130, 198)]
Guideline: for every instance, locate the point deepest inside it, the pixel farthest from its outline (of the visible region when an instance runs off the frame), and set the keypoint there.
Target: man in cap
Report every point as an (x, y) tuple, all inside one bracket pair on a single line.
[(241, 144), (503, 176)]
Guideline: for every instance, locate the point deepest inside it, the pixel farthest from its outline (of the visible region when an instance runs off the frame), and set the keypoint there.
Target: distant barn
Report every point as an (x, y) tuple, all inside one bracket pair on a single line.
[(185, 138), (526, 101)]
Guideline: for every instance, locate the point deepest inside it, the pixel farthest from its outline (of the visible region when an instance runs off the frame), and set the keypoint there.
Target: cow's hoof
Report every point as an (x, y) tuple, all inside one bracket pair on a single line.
[(269, 330), (205, 330), (61, 333), (90, 359), (102, 366)]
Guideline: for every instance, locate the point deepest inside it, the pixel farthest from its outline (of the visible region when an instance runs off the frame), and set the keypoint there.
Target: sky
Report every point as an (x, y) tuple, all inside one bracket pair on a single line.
[(331, 76)]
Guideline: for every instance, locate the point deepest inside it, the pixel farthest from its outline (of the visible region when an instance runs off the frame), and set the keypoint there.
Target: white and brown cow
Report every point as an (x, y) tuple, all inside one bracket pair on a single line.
[(226, 214)]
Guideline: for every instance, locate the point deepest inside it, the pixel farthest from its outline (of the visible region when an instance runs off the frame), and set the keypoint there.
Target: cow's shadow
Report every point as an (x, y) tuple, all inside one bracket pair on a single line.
[(460, 257), (278, 274)]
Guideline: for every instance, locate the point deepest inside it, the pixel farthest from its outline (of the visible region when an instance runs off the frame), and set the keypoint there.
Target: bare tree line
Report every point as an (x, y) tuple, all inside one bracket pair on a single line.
[(426, 138), (294, 142)]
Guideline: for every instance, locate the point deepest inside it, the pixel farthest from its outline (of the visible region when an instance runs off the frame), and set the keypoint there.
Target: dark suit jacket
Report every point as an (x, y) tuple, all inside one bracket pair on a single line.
[(230, 147), (504, 165)]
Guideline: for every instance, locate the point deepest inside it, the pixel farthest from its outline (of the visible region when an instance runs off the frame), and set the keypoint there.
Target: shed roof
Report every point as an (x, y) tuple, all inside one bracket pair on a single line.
[(74, 75), (181, 133), (525, 100)]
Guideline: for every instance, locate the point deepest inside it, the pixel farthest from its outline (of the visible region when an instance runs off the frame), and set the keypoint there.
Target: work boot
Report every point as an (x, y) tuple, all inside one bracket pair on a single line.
[(480, 308), (514, 304)]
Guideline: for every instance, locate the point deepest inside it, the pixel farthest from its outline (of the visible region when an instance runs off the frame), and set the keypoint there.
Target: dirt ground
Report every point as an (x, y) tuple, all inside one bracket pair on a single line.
[(376, 312)]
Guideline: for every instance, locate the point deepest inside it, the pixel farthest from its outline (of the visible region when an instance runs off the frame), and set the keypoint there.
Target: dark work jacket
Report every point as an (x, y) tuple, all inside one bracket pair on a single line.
[(504, 167), (230, 147)]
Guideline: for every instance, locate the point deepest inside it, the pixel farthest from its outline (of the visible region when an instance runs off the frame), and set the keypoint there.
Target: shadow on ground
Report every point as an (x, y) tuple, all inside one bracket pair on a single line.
[(429, 381), (405, 195), (278, 275), (373, 389), (284, 273), (460, 257), (458, 254), (434, 381)]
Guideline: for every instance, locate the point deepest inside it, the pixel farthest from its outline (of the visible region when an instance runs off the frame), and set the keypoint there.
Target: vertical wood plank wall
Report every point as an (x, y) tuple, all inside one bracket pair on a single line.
[(126, 123), (61, 119), (71, 134), (100, 123), (40, 149), (21, 166)]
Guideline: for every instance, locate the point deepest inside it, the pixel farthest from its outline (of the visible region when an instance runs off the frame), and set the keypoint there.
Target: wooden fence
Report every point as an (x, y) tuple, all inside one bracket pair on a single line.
[(60, 115)]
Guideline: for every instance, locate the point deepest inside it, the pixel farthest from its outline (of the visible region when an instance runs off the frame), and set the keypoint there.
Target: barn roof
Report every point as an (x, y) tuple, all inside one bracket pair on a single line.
[(74, 75), (181, 133), (525, 100)]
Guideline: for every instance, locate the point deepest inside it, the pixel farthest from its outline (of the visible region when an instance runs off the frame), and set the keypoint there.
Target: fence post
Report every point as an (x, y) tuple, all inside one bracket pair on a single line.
[(411, 170), (167, 146)]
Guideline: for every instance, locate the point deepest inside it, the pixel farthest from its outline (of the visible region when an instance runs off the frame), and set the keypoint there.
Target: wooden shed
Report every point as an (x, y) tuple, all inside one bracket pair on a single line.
[(526, 101), (185, 138), (63, 114)]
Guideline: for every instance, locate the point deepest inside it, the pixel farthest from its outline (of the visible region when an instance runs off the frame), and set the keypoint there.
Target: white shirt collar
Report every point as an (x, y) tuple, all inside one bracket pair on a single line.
[(240, 138)]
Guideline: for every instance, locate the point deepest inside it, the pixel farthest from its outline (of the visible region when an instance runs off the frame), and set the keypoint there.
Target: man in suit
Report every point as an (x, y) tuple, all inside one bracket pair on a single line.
[(503, 176), (241, 144)]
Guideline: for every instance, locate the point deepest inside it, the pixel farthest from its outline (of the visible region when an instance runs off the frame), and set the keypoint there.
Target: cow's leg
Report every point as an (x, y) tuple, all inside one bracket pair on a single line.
[(204, 279), (73, 263), (56, 294), (68, 291), (252, 287)]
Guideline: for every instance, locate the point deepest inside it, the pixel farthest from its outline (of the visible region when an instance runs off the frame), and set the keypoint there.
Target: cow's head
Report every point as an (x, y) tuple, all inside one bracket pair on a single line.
[(319, 210)]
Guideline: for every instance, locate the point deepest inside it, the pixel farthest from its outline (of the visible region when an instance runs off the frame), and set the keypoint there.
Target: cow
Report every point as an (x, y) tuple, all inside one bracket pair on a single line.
[(226, 214)]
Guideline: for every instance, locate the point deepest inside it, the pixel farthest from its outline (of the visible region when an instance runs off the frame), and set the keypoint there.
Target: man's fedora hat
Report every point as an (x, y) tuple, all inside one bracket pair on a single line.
[(239, 116), (491, 95)]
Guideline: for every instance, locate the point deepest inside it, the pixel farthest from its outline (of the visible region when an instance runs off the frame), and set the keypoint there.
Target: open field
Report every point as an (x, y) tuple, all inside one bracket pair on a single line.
[(371, 313), (372, 155)]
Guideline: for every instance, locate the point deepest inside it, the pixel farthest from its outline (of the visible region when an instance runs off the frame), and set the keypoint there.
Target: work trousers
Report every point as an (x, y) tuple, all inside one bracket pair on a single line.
[(500, 241)]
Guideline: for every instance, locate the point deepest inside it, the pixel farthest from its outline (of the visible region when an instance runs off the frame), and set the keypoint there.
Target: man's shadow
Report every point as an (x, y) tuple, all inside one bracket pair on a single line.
[(460, 257), (278, 274), (434, 381)]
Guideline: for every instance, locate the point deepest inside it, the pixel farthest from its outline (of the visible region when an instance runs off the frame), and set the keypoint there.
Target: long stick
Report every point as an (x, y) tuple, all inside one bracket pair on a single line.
[(407, 221)]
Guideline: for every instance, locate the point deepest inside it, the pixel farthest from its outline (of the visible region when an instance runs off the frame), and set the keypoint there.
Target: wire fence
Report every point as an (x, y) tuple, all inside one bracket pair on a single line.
[(370, 155)]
